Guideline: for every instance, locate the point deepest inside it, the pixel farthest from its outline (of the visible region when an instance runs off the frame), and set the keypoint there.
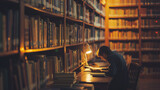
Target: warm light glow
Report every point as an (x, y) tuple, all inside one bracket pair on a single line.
[(22, 49), (30, 50), (88, 52), (103, 2), (88, 77), (87, 49)]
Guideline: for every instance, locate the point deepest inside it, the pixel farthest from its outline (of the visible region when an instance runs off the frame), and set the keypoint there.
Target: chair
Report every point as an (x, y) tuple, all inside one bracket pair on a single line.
[(134, 71)]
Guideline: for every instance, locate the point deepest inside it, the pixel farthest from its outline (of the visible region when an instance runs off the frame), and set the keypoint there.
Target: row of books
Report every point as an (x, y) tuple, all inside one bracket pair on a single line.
[(150, 22), (73, 59), (74, 9), (153, 71), (150, 34), (42, 32), (150, 12), (99, 34), (55, 6), (123, 2), (89, 34), (150, 44), (149, 2), (124, 35), (97, 6), (123, 23), (151, 57), (123, 12), (74, 33), (92, 18), (97, 20), (62, 80), (5, 72), (88, 15), (9, 30), (32, 74), (93, 34), (102, 22), (124, 45)]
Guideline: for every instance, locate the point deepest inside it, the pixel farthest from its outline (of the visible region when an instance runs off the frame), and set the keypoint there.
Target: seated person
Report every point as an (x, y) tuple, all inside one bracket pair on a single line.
[(117, 69)]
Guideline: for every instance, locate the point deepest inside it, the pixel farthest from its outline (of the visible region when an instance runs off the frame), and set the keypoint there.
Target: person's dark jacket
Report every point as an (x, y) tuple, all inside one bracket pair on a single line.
[(118, 71)]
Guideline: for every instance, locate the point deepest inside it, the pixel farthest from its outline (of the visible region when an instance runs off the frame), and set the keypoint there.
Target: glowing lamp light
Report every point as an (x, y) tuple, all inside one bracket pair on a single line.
[(88, 52), (156, 32), (103, 2), (87, 49)]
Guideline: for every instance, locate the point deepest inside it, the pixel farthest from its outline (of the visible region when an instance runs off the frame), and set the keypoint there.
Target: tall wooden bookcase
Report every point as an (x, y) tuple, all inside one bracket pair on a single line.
[(41, 37), (133, 28)]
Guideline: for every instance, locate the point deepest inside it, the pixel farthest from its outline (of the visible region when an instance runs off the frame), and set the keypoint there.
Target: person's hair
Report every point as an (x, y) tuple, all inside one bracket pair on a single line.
[(104, 50)]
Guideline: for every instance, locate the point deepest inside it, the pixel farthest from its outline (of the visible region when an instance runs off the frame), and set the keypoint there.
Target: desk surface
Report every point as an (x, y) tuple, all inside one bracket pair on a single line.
[(86, 77)]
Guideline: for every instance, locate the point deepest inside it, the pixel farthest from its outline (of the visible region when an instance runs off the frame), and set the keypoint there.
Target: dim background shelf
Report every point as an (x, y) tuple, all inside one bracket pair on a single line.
[(14, 52)]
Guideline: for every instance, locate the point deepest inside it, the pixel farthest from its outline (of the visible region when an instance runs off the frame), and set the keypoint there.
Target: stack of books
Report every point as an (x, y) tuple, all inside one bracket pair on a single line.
[(65, 79)]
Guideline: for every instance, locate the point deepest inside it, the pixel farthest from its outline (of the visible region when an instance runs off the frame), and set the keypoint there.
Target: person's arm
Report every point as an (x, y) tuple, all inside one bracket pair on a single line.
[(112, 69)]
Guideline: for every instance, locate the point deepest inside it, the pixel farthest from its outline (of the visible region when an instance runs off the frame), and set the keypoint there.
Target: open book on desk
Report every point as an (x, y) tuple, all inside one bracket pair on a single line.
[(96, 69), (99, 69)]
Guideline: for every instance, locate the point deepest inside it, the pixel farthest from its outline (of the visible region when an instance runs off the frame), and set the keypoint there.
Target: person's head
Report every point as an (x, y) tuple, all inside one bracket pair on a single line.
[(103, 52)]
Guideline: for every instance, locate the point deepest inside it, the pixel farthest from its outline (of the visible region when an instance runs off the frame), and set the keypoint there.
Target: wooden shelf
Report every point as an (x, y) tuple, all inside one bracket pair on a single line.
[(42, 49), (150, 27), (124, 39), (123, 6), (98, 27), (151, 38), (44, 12), (10, 1), (127, 50), (73, 19), (88, 24), (150, 16), (88, 5), (150, 49), (123, 17), (99, 14), (3, 54), (102, 40), (103, 28), (90, 42), (123, 28), (151, 61), (151, 5), (71, 45)]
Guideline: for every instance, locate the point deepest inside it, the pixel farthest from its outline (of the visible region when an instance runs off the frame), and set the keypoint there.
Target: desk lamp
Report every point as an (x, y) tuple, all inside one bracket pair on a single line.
[(86, 50)]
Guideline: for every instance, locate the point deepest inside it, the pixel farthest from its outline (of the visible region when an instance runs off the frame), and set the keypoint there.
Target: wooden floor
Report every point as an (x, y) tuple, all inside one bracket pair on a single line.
[(148, 84)]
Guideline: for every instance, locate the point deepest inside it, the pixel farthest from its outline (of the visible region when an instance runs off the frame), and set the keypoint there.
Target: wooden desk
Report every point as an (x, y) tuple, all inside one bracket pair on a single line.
[(100, 83)]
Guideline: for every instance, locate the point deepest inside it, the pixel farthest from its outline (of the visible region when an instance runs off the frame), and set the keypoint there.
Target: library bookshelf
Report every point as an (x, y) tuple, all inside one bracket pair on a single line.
[(133, 28), (39, 38)]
